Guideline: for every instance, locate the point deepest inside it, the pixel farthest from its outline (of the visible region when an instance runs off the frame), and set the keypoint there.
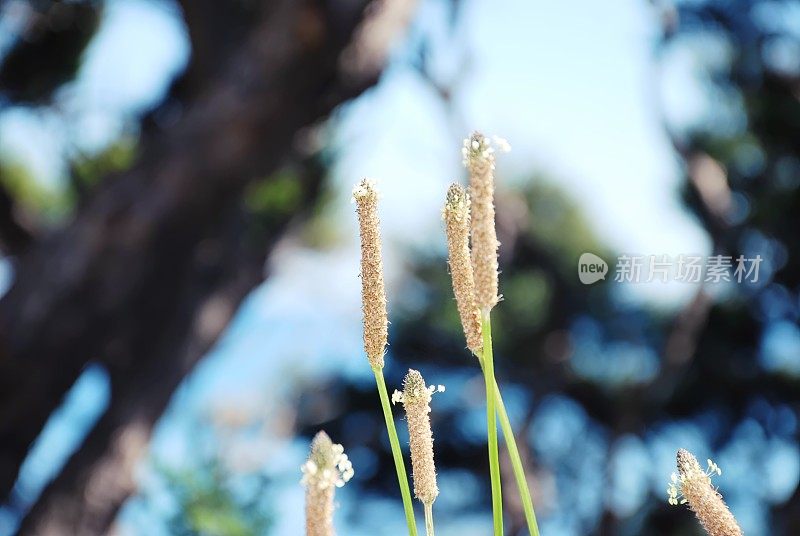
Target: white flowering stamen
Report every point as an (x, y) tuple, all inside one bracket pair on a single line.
[(692, 486), (327, 465), (326, 469), (481, 148), (399, 397), (502, 144), (675, 496), (366, 187)]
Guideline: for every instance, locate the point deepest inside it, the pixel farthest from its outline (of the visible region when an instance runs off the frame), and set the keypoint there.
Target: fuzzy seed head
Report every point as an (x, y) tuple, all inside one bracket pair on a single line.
[(416, 399), (326, 469), (692, 485), (373, 291), (479, 159), (456, 214)]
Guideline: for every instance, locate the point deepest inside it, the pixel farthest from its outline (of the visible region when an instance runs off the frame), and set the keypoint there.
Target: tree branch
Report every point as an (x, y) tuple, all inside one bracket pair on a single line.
[(86, 496), (108, 285)]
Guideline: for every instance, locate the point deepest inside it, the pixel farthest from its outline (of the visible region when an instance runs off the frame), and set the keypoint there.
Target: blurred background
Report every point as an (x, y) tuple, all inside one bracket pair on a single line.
[(181, 308)]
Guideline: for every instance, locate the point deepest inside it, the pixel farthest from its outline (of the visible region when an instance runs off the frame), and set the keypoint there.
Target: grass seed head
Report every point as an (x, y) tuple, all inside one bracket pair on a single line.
[(416, 399), (456, 215), (692, 485), (373, 291), (326, 469), (479, 159)]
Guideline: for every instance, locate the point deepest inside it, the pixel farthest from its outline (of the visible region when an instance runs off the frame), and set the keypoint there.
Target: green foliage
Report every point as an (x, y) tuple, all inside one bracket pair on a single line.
[(46, 203), (208, 505), (526, 296), (88, 171), (558, 223), (276, 195), (272, 201), (322, 230), (52, 203), (211, 493)]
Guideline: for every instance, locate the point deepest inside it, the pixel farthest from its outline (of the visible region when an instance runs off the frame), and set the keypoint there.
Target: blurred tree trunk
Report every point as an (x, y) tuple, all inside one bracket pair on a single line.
[(158, 258)]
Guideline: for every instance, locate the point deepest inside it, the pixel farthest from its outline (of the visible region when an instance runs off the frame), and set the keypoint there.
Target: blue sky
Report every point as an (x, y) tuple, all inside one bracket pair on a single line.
[(575, 89)]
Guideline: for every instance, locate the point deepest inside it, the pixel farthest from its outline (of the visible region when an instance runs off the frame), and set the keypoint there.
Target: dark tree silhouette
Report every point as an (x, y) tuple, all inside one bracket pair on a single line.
[(146, 273)]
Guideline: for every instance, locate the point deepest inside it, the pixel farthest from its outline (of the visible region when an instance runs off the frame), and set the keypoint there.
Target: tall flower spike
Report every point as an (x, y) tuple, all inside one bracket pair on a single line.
[(457, 219), (479, 159), (326, 469), (692, 485), (416, 399), (373, 292)]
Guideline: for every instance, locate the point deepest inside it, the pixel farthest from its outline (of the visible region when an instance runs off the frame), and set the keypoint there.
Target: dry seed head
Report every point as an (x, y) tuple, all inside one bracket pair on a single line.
[(416, 399), (326, 469), (373, 291), (692, 485), (479, 159), (456, 215)]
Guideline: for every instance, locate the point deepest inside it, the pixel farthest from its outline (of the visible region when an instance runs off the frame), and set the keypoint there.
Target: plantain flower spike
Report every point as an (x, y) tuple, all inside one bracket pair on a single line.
[(456, 214), (326, 469), (373, 291), (479, 159), (692, 486), (416, 400)]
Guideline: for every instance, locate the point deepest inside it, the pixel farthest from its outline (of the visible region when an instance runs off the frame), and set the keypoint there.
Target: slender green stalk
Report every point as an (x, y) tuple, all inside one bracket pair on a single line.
[(397, 454), (429, 519), (516, 464), (491, 423), (513, 454)]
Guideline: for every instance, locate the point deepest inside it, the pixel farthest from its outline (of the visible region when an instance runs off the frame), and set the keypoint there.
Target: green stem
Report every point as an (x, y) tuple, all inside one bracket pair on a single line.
[(491, 423), (397, 454), (516, 461), (429, 519), (516, 464)]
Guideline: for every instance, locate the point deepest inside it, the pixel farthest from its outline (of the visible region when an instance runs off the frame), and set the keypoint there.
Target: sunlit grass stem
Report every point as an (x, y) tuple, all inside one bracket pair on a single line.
[(475, 286), (491, 423), (397, 454), (516, 464), (513, 454), (429, 519)]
